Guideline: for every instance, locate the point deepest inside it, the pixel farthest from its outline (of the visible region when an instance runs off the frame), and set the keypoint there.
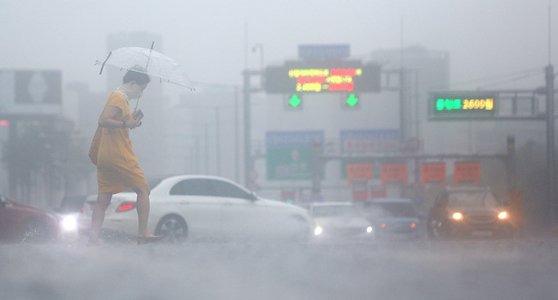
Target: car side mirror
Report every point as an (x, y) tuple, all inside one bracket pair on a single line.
[(253, 196)]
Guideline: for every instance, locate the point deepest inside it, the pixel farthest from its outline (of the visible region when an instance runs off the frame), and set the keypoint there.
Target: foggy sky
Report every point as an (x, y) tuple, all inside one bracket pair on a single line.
[(484, 38)]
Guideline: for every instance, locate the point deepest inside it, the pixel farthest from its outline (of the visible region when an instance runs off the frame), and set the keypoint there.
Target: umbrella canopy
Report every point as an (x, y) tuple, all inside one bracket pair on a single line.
[(148, 61)]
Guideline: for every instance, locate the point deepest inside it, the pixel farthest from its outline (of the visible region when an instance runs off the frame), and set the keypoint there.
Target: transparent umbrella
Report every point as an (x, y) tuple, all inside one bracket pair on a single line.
[(148, 61)]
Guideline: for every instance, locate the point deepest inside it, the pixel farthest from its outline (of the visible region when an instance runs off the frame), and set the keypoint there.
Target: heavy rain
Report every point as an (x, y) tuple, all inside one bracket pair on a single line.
[(278, 149)]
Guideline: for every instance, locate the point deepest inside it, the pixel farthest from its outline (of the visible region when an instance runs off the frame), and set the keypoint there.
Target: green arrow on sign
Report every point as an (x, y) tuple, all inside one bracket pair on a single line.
[(295, 101), (352, 100)]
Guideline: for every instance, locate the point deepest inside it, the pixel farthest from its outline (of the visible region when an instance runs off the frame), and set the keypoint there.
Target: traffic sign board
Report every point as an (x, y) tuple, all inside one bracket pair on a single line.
[(334, 76), (289, 154), (462, 105), (397, 172), (432, 172), (466, 172), (362, 171)]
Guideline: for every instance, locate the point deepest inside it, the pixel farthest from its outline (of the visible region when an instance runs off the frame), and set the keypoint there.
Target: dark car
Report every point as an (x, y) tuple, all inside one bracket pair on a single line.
[(468, 211), (24, 223), (393, 217)]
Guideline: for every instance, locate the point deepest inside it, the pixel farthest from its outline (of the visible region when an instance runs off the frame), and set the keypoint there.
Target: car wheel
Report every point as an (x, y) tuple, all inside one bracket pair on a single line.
[(35, 231), (173, 229)]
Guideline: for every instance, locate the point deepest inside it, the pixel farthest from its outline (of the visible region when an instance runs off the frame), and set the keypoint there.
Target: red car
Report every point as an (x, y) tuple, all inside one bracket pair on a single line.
[(22, 223)]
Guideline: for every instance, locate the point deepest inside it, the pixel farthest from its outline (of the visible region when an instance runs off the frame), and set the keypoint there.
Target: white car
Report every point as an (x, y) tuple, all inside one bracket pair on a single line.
[(198, 207), (339, 221)]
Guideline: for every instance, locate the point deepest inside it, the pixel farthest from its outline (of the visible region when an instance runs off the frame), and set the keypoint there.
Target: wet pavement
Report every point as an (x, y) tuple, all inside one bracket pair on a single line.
[(484, 269)]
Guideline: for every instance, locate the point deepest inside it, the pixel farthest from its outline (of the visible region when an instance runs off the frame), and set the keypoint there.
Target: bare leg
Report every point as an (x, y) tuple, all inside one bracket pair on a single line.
[(103, 201), (143, 211)]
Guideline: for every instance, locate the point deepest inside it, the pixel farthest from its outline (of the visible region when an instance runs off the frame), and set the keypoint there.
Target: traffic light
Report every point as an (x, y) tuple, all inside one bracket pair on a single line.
[(294, 102), (351, 101)]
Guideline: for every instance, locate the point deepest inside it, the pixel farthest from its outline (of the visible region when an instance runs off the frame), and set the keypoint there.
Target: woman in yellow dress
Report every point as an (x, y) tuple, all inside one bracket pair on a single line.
[(117, 165)]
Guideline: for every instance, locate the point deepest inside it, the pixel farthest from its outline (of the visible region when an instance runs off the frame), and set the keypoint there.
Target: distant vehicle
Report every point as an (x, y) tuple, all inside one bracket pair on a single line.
[(339, 221), (25, 223), (395, 218), (468, 211), (198, 207)]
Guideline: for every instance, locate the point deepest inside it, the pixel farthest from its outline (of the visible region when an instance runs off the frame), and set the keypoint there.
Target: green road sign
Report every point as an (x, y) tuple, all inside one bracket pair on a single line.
[(289, 154), (462, 105)]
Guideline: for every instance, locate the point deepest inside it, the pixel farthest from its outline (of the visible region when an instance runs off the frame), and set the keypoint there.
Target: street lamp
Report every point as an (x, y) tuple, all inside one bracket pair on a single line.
[(259, 47)]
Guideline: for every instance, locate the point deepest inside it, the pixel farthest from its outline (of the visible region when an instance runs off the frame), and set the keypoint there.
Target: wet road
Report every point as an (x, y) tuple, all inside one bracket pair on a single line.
[(519, 269)]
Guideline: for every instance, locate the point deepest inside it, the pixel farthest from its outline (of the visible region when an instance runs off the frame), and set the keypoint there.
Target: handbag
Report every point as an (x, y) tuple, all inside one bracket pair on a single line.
[(94, 148)]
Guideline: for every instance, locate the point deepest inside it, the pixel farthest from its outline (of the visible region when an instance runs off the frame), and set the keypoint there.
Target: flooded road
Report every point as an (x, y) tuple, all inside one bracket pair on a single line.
[(519, 269)]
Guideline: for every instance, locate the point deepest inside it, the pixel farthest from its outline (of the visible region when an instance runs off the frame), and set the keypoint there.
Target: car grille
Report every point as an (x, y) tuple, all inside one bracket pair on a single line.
[(481, 219), (346, 231)]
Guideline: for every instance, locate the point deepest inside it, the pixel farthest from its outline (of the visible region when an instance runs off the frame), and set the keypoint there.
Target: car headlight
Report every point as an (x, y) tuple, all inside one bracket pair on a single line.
[(318, 230), (369, 229), (503, 215), (69, 223), (457, 216)]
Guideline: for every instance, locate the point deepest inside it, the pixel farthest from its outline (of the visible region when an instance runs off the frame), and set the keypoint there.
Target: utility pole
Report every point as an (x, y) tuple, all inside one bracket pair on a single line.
[(206, 140), (247, 131), (247, 91), (550, 123), (550, 140), (402, 104), (217, 141), (236, 151)]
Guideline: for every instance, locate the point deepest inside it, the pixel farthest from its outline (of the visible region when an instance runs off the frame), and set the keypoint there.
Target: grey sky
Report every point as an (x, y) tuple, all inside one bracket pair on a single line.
[(484, 38)]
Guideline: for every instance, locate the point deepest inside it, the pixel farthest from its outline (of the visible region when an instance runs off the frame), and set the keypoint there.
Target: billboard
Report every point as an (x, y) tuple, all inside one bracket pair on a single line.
[(30, 92)]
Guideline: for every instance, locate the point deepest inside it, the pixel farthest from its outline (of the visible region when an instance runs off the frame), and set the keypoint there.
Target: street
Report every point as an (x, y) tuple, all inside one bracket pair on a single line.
[(469, 269)]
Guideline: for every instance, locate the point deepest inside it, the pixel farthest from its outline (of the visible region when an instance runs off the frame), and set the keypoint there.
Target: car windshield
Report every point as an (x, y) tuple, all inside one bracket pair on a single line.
[(391, 209), (472, 199), (333, 211)]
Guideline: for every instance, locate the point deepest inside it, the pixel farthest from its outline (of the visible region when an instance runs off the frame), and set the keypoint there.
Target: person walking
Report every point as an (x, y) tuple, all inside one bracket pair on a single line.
[(111, 151)]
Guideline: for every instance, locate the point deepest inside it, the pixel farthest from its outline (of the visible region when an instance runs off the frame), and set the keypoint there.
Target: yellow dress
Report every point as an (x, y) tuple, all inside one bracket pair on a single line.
[(117, 165)]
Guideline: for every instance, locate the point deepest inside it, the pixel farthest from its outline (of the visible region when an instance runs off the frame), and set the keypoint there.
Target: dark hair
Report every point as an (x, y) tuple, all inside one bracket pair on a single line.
[(137, 77)]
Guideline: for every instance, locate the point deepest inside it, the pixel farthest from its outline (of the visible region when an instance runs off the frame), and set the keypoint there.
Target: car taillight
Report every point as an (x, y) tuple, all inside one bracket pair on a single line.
[(126, 206), (413, 225)]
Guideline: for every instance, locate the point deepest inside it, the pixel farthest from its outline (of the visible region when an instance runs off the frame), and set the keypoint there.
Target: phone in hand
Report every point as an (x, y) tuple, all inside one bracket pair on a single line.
[(138, 114)]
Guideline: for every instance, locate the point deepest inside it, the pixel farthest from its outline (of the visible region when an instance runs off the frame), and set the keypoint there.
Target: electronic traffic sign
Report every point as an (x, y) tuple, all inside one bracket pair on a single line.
[(323, 77), (462, 105)]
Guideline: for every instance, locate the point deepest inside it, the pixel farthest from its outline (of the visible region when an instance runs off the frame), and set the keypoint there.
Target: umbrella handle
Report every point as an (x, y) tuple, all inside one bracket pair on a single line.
[(104, 62), (137, 104)]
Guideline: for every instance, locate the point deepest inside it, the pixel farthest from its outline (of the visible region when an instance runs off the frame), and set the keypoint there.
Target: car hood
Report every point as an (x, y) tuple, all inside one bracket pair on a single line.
[(477, 210), (275, 203), (32, 209)]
